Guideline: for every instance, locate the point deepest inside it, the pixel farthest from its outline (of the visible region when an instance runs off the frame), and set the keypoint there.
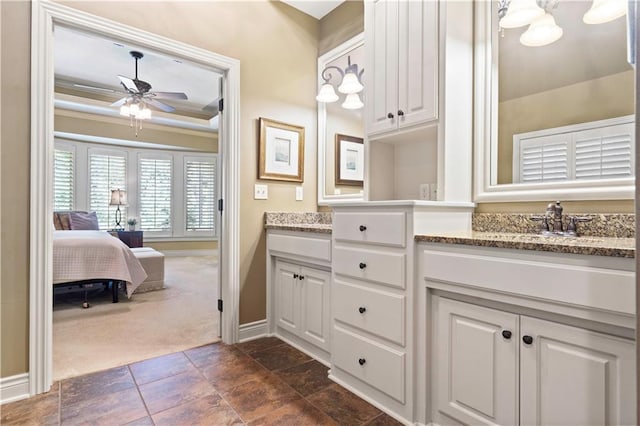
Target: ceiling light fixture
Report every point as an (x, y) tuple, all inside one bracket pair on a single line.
[(137, 111), (350, 85)]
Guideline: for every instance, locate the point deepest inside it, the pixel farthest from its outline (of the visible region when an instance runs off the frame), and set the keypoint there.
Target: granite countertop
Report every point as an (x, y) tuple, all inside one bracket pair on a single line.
[(318, 222), (597, 246)]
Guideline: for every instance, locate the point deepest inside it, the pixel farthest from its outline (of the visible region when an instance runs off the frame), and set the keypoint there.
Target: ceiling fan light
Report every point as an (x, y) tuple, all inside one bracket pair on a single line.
[(352, 101), (521, 13), (541, 32), (350, 84), (145, 114), (327, 94), (602, 11), (134, 109), (125, 110)]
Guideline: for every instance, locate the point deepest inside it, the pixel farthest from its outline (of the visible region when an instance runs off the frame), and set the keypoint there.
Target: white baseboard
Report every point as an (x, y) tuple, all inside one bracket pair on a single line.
[(252, 330), (180, 253), (14, 388)]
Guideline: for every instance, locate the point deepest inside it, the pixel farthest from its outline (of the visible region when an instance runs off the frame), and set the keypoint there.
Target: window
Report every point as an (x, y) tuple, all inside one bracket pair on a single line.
[(63, 188), (154, 194), (200, 194), (106, 172)]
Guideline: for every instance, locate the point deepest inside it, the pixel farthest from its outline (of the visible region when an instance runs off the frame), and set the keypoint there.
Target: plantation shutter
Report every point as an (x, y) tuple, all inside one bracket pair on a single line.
[(63, 187), (106, 172), (604, 153), (154, 194), (544, 159), (200, 191)]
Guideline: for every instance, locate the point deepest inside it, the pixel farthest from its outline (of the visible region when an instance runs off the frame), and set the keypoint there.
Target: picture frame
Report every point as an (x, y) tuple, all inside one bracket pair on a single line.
[(281, 151), (349, 160)]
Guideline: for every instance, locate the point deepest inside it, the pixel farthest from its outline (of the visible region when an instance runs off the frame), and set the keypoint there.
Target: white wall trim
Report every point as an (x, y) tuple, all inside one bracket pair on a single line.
[(253, 330), (181, 253), (14, 388), (46, 14)]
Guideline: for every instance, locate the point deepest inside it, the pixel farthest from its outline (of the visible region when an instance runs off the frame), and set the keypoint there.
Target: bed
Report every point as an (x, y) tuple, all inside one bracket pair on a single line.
[(82, 256)]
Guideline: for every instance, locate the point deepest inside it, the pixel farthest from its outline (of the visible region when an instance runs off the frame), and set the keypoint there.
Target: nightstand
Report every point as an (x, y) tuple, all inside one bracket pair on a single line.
[(131, 238)]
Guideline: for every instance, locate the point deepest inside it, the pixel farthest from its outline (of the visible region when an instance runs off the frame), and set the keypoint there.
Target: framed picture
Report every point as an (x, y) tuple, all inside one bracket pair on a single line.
[(349, 160), (281, 151)]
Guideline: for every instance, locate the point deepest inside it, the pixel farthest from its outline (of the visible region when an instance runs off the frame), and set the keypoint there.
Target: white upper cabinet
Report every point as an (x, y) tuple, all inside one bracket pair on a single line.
[(401, 40)]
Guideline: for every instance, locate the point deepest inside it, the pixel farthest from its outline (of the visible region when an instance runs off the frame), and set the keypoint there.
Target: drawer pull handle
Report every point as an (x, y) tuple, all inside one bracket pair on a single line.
[(527, 340), (362, 265), (390, 115), (362, 361), (301, 277), (506, 334), (362, 228), (400, 113), (295, 276), (362, 309)]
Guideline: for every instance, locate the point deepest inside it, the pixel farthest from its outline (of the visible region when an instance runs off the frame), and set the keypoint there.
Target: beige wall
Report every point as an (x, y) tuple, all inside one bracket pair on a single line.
[(341, 24)]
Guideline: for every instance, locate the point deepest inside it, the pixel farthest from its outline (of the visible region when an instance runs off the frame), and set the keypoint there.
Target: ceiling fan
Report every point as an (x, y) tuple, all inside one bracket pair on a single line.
[(139, 91)]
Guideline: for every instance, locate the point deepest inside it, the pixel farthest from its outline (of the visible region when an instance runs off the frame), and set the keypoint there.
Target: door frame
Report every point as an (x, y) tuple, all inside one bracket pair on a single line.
[(45, 14)]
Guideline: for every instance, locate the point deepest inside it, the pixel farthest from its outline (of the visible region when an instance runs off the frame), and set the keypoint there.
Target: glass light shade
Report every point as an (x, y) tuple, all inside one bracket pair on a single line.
[(352, 101), (350, 84), (521, 13), (145, 114), (118, 197), (134, 109), (125, 110), (327, 94), (541, 32), (604, 11)]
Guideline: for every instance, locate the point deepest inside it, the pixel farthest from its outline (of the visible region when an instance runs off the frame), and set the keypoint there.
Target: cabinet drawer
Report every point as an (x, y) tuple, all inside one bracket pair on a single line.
[(374, 364), (316, 248), (376, 228), (383, 314), (371, 265)]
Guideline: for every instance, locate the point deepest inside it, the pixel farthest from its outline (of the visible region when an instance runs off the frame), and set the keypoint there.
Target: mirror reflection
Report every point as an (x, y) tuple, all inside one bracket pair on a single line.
[(564, 109)]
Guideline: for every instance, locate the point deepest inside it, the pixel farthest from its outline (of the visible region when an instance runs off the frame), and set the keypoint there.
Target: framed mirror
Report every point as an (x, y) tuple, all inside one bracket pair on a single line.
[(341, 127), (555, 121)]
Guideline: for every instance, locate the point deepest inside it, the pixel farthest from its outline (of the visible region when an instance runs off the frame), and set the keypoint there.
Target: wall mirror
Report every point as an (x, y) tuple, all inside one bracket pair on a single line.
[(340, 129), (557, 120)]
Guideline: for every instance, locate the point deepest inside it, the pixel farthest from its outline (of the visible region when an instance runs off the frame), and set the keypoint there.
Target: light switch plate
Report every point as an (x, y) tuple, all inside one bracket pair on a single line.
[(299, 193), (260, 192)]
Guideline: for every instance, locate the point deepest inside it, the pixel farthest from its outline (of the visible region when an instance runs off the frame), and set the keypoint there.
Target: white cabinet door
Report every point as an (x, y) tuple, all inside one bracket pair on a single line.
[(315, 310), (287, 296), (572, 376), (476, 363), (417, 62)]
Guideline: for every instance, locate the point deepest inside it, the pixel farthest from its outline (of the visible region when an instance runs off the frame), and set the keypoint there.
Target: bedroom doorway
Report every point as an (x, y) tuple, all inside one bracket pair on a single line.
[(48, 16)]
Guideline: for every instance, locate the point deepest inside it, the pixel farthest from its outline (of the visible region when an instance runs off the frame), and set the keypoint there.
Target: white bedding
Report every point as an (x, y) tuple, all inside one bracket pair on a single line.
[(85, 255)]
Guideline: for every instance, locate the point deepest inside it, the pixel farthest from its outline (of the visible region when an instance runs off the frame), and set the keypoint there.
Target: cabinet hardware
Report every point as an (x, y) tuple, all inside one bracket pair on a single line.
[(362, 265), (362, 309), (362, 228), (390, 115), (361, 361), (506, 334), (400, 113), (527, 340), (295, 276), (301, 277)]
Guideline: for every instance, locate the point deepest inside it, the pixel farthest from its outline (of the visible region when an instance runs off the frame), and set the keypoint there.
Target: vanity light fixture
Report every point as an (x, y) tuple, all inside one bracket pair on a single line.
[(541, 32), (542, 29), (518, 13), (604, 11), (350, 85)]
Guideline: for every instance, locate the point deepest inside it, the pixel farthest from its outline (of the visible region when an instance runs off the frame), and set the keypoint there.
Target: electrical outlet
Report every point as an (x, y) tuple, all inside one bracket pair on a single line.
[(299, 193), (260, 192), (425, 191), (433, 192)]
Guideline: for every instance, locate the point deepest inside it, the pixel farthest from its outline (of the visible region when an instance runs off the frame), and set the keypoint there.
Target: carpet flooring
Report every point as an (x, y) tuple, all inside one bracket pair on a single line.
[(183, 315)]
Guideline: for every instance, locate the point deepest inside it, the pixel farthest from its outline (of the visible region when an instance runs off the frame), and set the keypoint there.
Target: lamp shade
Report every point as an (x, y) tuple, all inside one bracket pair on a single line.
[(350, 84), (118, 197), (327, 94), (541, 32), (520, 13), (604, 11), (352, 101)]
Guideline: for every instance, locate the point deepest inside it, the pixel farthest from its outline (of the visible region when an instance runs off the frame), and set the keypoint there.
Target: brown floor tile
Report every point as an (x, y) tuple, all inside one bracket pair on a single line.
[(205, 356), (383, 420), (280, 357), (209, 410), (175, 390), (306, 378), (343, 406), (258, 398), (232, 372), (159, 368), (41, 409), (298, 412), (96, 384), (259, 344), (145, 421), (112, 408)]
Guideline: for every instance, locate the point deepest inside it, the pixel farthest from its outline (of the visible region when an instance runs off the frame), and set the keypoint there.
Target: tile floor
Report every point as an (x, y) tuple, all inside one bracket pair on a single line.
[(262, 382)]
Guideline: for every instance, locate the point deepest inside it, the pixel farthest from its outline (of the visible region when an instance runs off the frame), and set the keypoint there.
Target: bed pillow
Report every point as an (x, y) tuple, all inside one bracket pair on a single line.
[(84, 221)]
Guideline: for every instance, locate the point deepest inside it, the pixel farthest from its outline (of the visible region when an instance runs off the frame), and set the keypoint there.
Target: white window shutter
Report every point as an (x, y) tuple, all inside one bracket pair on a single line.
[(604, 153), (63, 179), (154, 194), (544, 159), (106, 172), (200, 194)]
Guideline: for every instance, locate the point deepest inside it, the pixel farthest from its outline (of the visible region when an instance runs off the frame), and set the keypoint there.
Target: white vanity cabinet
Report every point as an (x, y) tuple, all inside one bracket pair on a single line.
[(402, 64)]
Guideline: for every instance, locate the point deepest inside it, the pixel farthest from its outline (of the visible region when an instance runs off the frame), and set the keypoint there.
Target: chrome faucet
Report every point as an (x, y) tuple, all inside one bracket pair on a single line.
[(555, 210), (552, 223)]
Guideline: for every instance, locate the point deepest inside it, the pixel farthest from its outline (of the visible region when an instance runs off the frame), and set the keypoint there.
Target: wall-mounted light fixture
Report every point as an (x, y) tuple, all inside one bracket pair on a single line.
[(350, 85)]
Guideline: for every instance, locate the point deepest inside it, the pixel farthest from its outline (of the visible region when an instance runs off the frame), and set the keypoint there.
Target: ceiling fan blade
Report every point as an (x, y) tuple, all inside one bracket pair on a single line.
[(128, 84), (120, 102), (170, 95), (160, 105)]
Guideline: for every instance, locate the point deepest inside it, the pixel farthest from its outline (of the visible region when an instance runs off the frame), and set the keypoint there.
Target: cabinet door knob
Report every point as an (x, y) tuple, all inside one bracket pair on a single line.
[(506, 334), (390, 115), (527, 340), (362, 265), (362, 309), (400, 113), (362, 228), (362, 361), (295, 276), (301, 277)]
